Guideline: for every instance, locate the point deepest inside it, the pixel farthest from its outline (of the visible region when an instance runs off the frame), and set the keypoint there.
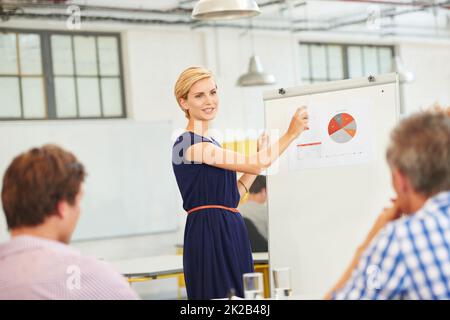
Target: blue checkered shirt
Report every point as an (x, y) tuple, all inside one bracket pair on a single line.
[(408, 259)]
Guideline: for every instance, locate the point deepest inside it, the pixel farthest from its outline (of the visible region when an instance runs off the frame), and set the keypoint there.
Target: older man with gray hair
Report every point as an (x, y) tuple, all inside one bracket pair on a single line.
[(406, 255)]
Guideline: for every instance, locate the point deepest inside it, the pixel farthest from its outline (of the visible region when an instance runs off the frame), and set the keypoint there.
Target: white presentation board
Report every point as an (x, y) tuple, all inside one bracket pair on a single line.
[(327, 189), (130, 187)]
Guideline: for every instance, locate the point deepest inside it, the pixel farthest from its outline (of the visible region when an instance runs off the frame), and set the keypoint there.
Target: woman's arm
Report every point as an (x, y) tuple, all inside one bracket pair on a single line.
[(226, 159), (246, 180)]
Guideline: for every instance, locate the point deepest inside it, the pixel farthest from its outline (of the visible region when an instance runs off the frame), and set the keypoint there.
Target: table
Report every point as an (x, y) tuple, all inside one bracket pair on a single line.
[(167, 266)]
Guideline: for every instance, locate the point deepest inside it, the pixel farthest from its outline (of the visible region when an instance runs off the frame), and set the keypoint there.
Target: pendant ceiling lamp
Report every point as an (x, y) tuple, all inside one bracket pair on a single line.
[(255, 75), (225, 9)]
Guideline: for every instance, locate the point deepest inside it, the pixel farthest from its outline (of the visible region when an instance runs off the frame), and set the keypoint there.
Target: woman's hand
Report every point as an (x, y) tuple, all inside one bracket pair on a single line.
[(299, 123), (263, 141)]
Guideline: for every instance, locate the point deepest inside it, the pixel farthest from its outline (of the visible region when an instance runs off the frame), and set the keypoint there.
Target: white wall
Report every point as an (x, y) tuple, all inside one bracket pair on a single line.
[(430, 64), (154, 56)]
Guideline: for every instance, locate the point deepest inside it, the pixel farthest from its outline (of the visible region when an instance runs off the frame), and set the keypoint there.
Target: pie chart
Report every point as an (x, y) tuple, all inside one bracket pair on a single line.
[(342, 128)]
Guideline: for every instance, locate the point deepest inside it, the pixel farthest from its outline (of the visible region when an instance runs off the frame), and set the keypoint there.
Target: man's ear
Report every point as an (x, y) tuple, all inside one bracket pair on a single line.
[(264, 193), (401, 181), (61, 208)]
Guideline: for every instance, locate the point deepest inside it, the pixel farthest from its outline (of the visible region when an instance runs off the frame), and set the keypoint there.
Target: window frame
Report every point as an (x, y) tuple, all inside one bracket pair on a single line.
[(48, 75), (345, 65)]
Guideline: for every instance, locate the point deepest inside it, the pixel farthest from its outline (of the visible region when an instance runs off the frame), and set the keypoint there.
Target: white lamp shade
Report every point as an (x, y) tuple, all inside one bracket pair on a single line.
[(225, 9), (255, 75)]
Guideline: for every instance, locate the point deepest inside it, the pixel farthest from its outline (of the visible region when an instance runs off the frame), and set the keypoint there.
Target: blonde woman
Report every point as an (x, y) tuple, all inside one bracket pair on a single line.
[(217, 250)]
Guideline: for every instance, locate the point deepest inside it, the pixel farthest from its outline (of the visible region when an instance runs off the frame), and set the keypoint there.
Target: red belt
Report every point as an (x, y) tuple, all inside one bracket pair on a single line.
[(213, 206)]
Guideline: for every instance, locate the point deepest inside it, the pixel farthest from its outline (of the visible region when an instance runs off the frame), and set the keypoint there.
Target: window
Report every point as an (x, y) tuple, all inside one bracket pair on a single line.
[(21, 76), (80, 76), (324, 62)]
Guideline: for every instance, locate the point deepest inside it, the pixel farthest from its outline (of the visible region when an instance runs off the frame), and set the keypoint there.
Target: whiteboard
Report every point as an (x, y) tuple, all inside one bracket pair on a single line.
[(327, 189), (130, 187)]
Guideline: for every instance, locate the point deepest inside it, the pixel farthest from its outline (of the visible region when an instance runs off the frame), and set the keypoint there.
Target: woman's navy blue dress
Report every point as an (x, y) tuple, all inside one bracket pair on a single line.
[(217, 249)]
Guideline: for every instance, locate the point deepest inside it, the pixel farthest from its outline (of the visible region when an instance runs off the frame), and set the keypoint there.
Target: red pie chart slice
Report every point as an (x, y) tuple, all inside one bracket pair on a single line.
[(333, 126), (346, 119)]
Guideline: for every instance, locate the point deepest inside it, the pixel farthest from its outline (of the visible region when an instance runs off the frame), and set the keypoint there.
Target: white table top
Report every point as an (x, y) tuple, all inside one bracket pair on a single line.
[(162, 265)]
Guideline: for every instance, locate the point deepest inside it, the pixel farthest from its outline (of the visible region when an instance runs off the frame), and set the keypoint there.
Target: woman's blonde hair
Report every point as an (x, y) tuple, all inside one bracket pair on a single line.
[(185, 82)]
